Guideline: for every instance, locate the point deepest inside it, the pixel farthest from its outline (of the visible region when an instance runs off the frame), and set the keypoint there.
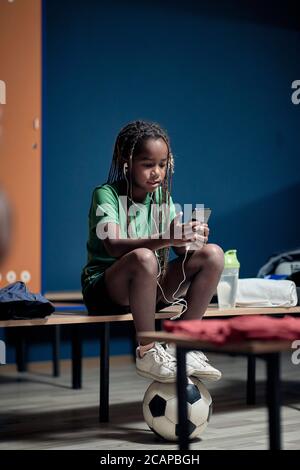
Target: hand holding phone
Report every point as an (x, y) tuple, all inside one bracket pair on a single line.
[(202, 217), (188, 229)]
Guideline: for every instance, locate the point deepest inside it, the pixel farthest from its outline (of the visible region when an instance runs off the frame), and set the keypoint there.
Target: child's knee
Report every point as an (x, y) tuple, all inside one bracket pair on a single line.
[(210, 256), (214, 255), (144, 259)]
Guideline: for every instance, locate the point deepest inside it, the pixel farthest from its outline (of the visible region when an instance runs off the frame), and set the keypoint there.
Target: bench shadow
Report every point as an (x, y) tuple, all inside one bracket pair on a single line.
[(53, 426), (27, 377)]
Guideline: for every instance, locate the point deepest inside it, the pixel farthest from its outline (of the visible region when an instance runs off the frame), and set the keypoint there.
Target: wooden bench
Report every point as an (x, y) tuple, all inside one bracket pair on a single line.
[(75, 315), (268, 350)]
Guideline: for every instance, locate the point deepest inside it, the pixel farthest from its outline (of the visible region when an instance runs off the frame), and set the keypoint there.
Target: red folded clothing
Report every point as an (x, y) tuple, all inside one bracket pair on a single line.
[(237, 329)]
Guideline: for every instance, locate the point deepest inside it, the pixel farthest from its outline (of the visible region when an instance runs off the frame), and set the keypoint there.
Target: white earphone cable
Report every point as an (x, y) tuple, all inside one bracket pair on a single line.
[(178, 300)]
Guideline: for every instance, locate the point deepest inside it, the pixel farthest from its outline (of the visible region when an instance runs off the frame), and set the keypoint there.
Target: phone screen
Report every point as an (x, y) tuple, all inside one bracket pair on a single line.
[(205, 213)]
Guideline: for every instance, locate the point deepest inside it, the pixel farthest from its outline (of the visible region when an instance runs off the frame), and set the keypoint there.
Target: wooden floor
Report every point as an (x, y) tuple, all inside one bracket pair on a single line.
[(38, 411)]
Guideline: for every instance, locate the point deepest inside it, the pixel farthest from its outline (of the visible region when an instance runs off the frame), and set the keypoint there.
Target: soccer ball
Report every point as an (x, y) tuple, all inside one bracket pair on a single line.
[(160, 409)]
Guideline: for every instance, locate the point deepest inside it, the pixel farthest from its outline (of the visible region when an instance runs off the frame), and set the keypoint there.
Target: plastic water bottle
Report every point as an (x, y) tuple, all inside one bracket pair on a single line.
[(227, 286)]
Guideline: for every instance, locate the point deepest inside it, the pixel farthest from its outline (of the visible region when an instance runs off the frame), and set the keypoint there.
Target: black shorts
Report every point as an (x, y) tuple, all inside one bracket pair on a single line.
[(98, 301)]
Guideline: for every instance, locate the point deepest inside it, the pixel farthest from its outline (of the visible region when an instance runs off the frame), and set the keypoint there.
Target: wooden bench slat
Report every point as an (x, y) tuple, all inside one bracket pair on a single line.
[(64, 296), (216, 312), (68, 318), (76, 314)]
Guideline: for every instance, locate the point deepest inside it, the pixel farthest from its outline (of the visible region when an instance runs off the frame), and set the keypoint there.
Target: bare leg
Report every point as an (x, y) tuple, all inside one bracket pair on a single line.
[(131, 280), (203, 269)]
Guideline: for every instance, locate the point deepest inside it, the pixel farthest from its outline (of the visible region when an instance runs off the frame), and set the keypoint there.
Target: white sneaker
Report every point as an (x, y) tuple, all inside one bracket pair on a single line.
[(197, 361), (158, 364)]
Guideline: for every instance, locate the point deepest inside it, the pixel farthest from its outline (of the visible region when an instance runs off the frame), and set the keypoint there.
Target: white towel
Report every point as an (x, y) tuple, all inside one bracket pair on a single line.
[(256, 292)]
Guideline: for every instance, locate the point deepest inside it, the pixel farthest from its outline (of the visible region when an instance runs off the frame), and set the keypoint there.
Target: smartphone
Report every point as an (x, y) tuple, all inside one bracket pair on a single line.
[(206, 211)]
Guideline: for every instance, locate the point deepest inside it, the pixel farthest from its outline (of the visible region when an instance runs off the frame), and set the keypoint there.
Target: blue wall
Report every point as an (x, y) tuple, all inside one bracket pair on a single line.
[(216, 75), (218, 81)]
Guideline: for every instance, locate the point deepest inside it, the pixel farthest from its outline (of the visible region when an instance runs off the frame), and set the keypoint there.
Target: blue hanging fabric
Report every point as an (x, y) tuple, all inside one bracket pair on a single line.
[(17, 303)]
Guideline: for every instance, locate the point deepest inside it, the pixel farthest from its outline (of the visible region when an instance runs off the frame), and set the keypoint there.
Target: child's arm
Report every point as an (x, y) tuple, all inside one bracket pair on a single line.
[(117, 246)]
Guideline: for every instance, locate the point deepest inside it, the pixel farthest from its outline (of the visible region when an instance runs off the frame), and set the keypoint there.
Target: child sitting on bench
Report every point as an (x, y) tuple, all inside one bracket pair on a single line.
[(128, 268)]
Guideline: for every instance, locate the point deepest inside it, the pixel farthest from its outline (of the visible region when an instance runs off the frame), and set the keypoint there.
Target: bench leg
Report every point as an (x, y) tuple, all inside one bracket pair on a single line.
[(55, 351), (20, 350), (251, 384), (104, 374), (76, 357), (181, 385), (133, 342), (273, 399)]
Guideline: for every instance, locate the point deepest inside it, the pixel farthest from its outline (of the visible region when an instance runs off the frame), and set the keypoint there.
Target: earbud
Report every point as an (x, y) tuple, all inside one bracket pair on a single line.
[(125, 167)]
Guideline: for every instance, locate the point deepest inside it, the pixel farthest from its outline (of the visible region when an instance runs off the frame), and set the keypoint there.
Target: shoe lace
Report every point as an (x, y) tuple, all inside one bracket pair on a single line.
[(200, 358), (162, 356), (200, 354)]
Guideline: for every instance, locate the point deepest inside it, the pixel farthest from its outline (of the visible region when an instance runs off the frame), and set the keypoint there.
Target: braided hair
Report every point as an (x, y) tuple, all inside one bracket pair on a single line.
[(129, 143)]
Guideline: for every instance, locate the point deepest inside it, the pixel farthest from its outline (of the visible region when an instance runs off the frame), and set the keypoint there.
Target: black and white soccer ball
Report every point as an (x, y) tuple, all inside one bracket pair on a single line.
[(160, 409)]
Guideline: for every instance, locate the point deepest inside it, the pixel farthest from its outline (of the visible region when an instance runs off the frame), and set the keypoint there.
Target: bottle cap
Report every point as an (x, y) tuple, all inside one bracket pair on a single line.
[(231, 260)]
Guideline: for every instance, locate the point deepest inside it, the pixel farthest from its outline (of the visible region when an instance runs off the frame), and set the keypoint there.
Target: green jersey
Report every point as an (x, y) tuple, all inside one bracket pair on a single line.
[(110, 204)]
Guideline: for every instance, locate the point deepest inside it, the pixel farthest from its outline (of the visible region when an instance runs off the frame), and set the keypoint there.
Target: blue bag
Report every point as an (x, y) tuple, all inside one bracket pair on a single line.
[(17, 303)]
